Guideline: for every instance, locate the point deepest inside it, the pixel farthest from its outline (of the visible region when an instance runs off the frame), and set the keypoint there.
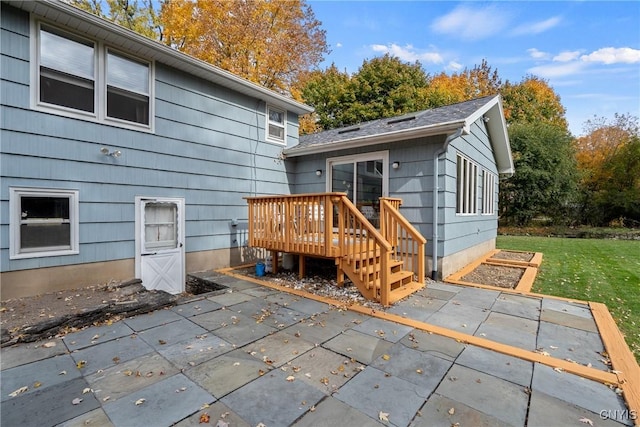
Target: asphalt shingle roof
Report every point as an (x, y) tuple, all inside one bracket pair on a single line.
[(425, 118)]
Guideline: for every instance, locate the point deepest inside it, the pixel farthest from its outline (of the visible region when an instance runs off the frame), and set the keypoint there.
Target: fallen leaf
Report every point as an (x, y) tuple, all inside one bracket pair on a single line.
[(140, 401), (586, 421), (49, 344), (261, 372), (204, 418), (95, 337), (76, 401), (181, 389), (558, 370), (452, 411), (128, 372), (63, 373), (383, 416), (104, 399), (291, 378), (419, 371), (86, 390), (81, 364), (386, 357), (236, 364), (116, 360), (37, 384), (162, 342), (18, 391), (222, 424), (204, 406)]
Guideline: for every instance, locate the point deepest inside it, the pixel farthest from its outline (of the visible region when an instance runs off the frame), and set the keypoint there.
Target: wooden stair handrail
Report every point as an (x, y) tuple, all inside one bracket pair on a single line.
[(392, 225)]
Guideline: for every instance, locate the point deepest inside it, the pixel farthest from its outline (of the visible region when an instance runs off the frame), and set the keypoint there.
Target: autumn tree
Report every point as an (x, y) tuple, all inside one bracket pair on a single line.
[(546, 176), (444, 89), (139, 16), (533, 101), (608, 158), (267, 42)]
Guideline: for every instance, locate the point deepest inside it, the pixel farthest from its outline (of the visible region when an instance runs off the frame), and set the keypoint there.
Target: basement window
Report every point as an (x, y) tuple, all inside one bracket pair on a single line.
[(43, 222)]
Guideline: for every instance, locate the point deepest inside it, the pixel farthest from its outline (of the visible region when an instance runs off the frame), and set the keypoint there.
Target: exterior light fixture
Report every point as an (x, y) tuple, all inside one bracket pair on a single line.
[(114, 153), (319, 172), (395, 165)]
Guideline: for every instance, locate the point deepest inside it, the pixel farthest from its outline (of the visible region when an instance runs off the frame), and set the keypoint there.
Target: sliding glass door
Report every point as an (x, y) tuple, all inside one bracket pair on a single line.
[(364, 179)]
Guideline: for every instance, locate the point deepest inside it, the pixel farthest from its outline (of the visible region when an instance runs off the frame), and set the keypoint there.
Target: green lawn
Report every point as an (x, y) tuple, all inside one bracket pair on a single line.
[(600, 270)]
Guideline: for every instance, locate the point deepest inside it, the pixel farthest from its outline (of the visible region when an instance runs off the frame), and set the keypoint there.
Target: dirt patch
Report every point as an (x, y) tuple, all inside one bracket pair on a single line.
[(494, 275), (514, 256), (36, 317)]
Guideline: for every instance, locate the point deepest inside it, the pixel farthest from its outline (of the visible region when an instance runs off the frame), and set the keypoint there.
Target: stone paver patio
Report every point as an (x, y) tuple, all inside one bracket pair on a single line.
[(254, 354)]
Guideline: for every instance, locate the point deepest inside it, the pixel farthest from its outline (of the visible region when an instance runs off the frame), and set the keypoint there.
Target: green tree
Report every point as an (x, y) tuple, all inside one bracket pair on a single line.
[(386, 87), (329, 92), (546, 177), (382, 87)]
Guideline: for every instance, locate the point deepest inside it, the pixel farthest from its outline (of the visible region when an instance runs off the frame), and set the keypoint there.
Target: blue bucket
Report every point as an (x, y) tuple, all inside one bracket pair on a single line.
[(260, 269)]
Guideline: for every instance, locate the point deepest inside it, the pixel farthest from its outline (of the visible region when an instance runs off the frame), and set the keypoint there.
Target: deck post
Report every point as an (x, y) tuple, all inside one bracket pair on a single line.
[(302, 266), (274, 261)]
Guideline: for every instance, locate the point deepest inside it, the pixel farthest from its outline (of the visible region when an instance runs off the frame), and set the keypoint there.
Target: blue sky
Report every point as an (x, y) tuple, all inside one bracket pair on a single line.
[(588, 51)]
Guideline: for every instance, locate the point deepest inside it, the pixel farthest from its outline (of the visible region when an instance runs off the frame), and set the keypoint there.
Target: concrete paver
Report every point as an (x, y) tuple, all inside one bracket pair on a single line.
[(253, 355)]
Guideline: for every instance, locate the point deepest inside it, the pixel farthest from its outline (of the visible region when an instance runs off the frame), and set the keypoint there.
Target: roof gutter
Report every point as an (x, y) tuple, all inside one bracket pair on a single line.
[(434, 238), (363, 141)]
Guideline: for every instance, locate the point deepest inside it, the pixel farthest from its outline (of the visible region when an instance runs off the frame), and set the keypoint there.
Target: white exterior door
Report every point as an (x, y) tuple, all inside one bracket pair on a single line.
[(160, 260)]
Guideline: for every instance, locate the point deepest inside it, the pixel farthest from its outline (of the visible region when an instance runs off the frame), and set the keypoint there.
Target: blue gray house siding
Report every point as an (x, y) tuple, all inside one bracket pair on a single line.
[(413, 183), (461, 232), (208, 146)]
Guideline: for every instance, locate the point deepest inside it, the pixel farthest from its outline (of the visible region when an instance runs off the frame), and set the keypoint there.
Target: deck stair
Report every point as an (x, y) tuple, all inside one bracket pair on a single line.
[(385, 265)]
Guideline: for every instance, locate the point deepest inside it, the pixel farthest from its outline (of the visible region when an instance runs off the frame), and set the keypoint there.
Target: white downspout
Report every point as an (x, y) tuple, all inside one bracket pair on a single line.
[(434, 237)]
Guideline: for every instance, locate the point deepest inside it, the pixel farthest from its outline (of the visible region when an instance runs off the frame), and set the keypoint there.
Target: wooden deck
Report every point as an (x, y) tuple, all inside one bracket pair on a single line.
[(386, 264)]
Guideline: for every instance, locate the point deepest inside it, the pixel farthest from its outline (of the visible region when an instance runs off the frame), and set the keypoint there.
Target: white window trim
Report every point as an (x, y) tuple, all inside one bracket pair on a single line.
[(283, 125), (467, 189), (100, 80), (488, 193), (15, 193)]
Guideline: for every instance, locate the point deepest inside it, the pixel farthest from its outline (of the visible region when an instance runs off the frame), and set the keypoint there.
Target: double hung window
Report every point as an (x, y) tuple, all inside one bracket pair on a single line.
[(276, 125), (83, 78)]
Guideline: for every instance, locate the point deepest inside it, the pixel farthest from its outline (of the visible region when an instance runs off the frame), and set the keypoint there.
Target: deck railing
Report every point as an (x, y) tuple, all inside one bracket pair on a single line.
[(329, 225), (407, 242)]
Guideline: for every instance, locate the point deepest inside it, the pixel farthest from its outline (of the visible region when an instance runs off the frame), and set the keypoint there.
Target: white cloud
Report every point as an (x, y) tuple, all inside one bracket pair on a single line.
[(556, 70), (471, 23), (611, 55), (408, 53), (453, 66), (338, 44), (537, 54), (536, 27), (567, 56)]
